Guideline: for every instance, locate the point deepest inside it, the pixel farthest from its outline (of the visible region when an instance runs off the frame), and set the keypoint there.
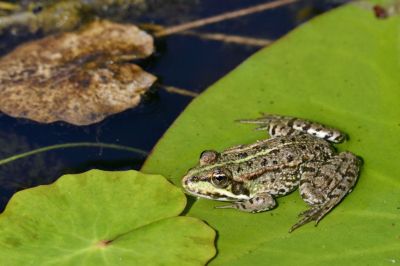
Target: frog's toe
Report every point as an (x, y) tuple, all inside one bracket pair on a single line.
[(305, 213), (313, 214), (320, 216), (300, 223)]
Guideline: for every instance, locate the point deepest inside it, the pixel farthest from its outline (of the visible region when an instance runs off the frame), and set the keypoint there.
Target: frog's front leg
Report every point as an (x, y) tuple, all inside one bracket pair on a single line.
[(287, 126), (259, 203), (324, 184)]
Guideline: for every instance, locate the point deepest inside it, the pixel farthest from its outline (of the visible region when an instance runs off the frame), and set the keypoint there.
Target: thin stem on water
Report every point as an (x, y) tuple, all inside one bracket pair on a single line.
[(73, 145), (222, 17)]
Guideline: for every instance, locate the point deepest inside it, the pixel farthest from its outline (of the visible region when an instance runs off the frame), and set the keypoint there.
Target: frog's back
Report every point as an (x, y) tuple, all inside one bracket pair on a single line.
[(283, 154)]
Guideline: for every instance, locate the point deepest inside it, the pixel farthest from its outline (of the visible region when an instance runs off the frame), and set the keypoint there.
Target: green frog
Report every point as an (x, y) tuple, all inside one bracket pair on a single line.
[(299, 154)]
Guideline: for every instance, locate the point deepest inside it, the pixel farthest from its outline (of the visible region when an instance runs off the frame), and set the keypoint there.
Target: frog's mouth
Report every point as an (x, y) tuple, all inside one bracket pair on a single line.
[(211, 196), (214, 193)]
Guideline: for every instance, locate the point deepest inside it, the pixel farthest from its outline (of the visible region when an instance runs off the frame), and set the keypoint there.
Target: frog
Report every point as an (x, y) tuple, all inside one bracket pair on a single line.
[(300, 154)]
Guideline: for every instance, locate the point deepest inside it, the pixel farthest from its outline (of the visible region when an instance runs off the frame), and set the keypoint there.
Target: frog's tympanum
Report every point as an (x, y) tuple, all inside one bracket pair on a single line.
[(299, 154)]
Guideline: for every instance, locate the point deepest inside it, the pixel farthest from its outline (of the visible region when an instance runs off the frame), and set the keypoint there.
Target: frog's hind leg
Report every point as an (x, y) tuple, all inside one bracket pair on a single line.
[(324, 184), (286, 126)]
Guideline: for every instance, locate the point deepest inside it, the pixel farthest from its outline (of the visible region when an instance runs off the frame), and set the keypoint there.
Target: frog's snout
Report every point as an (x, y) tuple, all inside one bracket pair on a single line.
[(187, 180)]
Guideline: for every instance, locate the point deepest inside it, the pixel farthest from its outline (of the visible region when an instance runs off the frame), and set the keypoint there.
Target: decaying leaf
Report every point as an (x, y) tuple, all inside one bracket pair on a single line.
[(80, 77)]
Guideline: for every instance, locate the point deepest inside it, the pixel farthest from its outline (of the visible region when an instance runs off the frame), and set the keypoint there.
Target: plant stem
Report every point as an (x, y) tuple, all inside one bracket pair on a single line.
[(223, 17), (237, 39), (73, 145)]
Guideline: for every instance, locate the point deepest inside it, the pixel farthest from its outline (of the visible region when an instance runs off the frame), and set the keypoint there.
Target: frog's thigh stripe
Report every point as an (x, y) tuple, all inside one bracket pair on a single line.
[(282, 129), (282, 123), (319, 130), (283, 126)]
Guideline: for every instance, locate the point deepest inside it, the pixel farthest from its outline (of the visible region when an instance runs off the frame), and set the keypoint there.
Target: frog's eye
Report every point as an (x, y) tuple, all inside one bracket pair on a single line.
[(220, 178), (208, 157)]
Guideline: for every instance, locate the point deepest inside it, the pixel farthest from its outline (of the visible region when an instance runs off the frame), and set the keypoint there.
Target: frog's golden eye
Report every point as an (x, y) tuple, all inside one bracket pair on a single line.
[(220, 178), (208, 157)]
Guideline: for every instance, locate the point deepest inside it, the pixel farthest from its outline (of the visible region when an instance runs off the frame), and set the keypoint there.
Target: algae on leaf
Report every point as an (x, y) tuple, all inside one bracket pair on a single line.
[(341, 69), (103, 218)]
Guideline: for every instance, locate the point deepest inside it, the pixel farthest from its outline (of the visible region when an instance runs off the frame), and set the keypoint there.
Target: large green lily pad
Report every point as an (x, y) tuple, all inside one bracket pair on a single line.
[(103, 218), (341, 69)]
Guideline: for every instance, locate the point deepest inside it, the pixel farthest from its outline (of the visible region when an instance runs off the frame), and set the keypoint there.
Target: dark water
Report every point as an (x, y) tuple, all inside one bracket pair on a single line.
[(182, 61)]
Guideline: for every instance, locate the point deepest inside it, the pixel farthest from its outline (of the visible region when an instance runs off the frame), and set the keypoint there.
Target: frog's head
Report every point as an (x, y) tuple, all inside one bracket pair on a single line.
[(210, 179)]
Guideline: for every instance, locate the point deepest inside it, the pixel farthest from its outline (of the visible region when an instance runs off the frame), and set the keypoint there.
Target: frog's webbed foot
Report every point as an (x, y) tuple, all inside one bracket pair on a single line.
[(312, 214), (288, 126), (324, 184), (259, 203)]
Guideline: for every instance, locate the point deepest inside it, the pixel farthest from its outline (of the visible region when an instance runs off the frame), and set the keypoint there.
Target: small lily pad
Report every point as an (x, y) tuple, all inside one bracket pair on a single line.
[(103, 218), (78, 77)]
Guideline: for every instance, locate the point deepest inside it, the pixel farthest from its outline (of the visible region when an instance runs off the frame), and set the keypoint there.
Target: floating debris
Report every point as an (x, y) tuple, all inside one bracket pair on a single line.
[(79, 77), (50, 16), (383, 10), (380, 12)]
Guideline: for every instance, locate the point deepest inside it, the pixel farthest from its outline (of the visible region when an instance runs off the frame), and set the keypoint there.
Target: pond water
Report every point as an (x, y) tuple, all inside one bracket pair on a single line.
[(182, 61)]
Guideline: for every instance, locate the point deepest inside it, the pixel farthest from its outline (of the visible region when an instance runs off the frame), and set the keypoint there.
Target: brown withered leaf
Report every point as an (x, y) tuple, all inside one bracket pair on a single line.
[(79, 77)]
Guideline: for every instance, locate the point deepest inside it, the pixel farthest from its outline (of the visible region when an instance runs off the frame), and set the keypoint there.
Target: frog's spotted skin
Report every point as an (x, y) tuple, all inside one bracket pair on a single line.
[(298, 155)]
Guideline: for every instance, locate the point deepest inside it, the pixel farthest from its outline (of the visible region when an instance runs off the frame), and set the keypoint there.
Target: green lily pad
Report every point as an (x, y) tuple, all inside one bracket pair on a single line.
[(103, 218), (341, 69)]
